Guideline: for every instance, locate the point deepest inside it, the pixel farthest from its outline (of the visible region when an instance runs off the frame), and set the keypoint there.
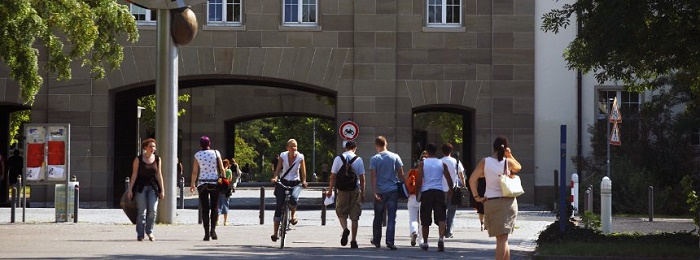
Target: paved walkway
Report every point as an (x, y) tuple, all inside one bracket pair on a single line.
[(107, 233)]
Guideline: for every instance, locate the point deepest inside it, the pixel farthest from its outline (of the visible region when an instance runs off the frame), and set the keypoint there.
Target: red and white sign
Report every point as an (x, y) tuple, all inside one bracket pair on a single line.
[(615, 135), (349, 130), (615, 116)]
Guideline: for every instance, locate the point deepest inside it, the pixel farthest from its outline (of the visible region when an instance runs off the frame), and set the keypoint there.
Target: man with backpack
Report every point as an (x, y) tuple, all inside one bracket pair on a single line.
[(348, 176)]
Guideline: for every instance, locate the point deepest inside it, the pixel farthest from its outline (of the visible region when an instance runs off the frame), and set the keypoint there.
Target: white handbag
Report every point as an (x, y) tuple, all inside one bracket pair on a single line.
[(510, 186)]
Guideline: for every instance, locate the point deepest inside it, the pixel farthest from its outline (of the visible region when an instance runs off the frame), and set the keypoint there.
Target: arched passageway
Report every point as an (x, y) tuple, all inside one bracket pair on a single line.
[(214, 101)]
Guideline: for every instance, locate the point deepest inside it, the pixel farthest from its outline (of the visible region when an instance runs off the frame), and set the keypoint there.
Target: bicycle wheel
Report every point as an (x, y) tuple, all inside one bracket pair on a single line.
[(283, 225)]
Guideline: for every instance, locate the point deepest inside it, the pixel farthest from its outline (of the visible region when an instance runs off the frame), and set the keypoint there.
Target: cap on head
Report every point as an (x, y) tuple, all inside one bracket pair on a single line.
[(204, 142)]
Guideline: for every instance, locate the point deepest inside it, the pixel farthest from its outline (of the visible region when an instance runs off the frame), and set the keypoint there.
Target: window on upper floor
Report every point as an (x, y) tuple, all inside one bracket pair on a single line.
[(695, 137), (300, 12), (142, 15), (444, 13), (225, 12), (629, 104)]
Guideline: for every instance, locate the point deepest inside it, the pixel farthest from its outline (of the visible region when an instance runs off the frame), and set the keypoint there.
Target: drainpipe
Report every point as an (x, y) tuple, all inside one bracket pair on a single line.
[(579, 112)]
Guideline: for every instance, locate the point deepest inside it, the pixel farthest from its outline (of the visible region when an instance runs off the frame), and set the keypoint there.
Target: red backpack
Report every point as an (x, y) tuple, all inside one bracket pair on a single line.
[(411, 181)]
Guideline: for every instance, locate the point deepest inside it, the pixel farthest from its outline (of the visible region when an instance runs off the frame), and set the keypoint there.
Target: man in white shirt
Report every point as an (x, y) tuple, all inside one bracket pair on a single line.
[(348, 202), (457, 173)]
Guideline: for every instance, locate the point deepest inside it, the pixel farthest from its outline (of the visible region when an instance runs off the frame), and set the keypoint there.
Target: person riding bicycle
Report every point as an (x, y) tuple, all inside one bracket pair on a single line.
[(290, 171)]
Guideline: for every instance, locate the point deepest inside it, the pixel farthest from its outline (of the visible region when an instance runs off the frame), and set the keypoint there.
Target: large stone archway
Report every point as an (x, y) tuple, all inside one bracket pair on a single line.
[(214, 101)]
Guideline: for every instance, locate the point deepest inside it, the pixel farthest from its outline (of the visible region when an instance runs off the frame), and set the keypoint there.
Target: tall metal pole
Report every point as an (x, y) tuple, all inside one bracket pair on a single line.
[(166, 114), (313, 155)]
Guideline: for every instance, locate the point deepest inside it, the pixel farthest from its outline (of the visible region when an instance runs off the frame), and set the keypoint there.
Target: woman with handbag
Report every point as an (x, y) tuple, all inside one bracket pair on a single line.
[(225, 195), (206, 171), (146, 187), (500, 211)]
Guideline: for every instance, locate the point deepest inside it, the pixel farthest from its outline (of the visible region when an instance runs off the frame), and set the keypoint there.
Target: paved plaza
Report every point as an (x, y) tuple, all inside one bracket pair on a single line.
[(108, 233)]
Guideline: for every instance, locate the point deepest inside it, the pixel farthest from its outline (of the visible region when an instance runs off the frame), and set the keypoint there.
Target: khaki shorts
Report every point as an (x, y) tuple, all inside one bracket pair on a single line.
[(348, 204), (500, 215)]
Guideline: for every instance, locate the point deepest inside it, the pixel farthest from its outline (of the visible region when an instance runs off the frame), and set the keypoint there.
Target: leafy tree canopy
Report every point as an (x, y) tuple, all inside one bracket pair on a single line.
[(633, 41), (88, 31)]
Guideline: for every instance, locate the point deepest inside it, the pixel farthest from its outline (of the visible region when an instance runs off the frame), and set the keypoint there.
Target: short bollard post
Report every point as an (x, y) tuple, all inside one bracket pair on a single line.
[(651, 203), (606, 205), (13, 203), (262, 205), (76, 202), (182, 192), (589, 199), (323, 207), (574, 194)]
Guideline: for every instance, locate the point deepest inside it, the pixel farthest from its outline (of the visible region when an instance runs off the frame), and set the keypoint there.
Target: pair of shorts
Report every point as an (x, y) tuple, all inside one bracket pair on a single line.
[(432, 201), (348, 204), (499, 215)]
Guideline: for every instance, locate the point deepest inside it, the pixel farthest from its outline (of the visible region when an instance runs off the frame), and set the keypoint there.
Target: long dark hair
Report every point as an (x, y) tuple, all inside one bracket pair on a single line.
[(500, 145)]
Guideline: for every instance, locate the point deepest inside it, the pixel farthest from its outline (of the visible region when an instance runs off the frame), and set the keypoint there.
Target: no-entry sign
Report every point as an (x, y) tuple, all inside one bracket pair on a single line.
[(349, 130)]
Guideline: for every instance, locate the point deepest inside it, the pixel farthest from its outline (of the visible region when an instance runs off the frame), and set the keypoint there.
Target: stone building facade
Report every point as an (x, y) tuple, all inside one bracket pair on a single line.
[(380, 61)]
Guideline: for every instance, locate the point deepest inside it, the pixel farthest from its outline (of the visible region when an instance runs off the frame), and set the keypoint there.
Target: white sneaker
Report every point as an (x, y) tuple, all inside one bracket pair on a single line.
[(414, 236)]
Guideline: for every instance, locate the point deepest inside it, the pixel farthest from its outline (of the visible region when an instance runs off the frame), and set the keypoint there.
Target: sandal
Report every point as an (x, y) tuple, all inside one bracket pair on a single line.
[(274, 238), (294, 221)]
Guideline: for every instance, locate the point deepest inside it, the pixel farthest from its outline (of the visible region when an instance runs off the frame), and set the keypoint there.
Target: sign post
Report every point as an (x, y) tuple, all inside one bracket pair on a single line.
[(614, 136)]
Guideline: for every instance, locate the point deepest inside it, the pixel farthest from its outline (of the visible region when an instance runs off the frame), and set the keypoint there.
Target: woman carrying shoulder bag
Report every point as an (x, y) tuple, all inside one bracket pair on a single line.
[(206, 170), (146, 187), (500, 212)]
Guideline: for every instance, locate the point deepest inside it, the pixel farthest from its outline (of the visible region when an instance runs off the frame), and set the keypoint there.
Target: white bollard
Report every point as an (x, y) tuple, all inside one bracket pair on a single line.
[(606, 205), (574, 194)]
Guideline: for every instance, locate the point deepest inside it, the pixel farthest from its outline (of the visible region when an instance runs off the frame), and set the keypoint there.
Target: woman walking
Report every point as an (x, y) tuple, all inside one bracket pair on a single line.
[(146, 186), (206, 170), (499, 212)]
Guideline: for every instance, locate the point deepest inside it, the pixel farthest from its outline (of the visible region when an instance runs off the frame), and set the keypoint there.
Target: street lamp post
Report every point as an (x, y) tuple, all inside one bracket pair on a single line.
[(176, 25)]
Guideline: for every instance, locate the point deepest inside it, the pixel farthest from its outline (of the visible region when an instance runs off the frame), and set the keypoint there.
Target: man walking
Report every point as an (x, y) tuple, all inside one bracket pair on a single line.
[(431, 172), (348, 175), (386, 169), (457, 174)]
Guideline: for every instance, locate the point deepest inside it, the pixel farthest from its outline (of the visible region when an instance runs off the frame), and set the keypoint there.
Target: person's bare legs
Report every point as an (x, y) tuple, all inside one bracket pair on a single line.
[(481, 220), (442, 227), (294, 212), (426, 231), (354, 230), (277, 226), (502, 250), (343, 223), (226, 219)]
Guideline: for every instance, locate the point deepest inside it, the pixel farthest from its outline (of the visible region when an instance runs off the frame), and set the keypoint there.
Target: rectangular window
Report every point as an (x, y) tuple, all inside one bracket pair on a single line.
[(629, 104), (224, 12), (142, 15), (444, 13), (695, 137), (300, 12)]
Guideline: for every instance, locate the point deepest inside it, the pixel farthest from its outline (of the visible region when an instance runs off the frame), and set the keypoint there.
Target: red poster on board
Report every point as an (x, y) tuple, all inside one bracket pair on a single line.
[(35, 155), (57, 151)]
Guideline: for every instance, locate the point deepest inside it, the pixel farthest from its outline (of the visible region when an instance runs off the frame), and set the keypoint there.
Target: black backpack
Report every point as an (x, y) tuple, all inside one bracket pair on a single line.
[(346, 178)]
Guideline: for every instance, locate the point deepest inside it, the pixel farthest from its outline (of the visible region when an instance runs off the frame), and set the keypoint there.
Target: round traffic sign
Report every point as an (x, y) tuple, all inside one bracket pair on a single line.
[(349, 130)]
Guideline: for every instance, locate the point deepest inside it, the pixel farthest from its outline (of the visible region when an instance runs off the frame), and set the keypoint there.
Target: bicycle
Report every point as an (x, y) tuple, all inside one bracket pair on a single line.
[(286, 214)]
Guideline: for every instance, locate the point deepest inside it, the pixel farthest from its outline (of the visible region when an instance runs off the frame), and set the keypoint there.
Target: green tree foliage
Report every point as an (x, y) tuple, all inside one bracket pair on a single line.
[(633, 41), (268, 137), (647, 45), (148, 115), (448, 125), (88, 31)]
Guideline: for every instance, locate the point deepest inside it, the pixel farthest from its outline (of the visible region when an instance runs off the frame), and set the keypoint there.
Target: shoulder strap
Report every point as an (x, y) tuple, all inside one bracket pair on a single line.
[(289, 169), (505, 166), (353, 159)]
